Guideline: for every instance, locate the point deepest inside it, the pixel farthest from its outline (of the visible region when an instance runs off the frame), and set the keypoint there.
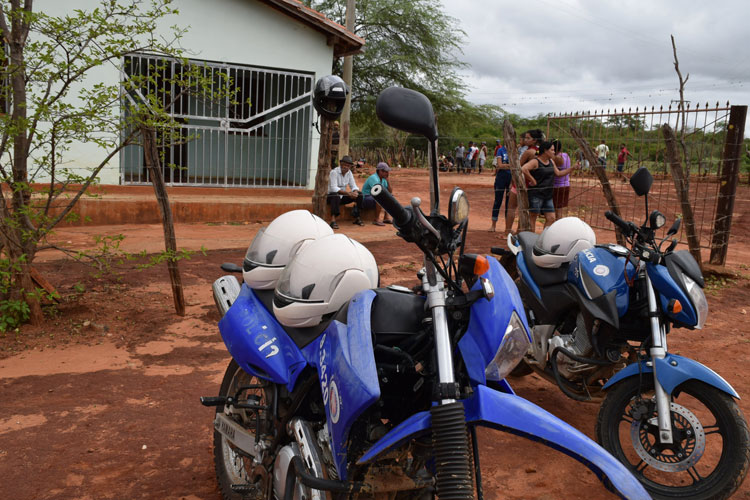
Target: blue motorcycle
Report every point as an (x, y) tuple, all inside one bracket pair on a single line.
[(382, 399), (599, 328)]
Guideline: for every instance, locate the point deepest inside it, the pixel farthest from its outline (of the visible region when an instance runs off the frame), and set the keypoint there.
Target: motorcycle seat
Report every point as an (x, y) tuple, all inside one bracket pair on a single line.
[(542, 276)]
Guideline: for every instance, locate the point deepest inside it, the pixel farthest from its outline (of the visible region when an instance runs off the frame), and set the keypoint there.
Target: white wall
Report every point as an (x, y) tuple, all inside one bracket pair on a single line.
[(231, 31)]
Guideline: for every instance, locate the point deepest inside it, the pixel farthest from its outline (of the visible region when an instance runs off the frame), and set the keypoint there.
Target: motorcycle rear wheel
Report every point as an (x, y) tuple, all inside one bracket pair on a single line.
[(232, 466), (710, 455)]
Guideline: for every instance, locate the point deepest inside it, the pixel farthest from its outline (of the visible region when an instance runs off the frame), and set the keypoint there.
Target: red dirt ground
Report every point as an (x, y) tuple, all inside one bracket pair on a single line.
[(102, 400)]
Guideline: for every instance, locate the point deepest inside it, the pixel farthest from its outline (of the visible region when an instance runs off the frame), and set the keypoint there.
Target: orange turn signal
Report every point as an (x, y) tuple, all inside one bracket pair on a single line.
[(481, 265), (674, 306)]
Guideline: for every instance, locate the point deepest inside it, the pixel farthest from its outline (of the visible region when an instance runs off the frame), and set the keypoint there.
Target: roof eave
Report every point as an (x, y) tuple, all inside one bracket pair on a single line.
[(344, 42)]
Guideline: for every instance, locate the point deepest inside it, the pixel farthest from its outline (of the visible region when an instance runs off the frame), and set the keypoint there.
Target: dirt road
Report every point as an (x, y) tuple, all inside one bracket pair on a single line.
[(102, 400)]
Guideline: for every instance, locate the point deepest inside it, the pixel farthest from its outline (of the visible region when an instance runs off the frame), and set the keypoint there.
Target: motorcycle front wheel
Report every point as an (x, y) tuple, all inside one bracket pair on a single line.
[(709, 456), (232, 465)]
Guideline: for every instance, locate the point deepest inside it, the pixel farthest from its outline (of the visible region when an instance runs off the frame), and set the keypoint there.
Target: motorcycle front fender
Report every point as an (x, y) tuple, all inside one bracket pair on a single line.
[(672, 371), (510, 413)]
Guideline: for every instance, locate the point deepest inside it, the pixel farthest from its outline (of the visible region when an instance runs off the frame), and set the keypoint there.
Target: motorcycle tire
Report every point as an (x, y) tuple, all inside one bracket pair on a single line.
[(710, 455), (231, 466)]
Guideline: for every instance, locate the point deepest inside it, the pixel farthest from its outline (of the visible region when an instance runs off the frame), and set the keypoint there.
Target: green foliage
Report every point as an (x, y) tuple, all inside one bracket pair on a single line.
[(54, 101), (108, 255), (168, 255), (14, 311)]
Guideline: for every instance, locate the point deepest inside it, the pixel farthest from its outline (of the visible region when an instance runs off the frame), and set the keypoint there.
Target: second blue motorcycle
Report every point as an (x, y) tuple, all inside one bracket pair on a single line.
[(600, 318)]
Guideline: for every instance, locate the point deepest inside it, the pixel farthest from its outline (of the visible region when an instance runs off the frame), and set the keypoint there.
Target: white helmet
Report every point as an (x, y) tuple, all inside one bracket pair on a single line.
[(321, 278), (274, 246), (561, 241)]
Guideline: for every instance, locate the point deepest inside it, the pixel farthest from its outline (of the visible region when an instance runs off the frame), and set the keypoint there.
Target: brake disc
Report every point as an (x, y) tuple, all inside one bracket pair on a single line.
[(688, 436)]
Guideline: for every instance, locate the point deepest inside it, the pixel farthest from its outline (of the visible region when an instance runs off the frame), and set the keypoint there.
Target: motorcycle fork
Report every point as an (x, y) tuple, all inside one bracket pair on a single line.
[(659, 351), (433, 287)]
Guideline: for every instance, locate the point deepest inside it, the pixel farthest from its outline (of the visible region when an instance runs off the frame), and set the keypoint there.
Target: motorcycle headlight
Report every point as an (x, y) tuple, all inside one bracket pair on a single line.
[(699, 300), (514, 345)]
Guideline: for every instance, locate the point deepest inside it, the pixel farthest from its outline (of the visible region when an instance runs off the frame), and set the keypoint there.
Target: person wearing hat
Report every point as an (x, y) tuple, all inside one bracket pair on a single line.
[(341, 178), (382, 171)]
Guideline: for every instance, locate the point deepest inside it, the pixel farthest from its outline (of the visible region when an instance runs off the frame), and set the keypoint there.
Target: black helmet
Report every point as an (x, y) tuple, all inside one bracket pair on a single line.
[(330, 95)]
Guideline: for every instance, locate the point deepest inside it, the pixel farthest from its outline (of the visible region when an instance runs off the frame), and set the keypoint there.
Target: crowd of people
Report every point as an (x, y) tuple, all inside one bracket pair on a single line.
[(545, 166)]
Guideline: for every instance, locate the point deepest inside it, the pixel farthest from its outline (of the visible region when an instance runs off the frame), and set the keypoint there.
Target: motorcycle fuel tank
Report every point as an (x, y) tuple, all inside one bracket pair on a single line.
[(598, 271)]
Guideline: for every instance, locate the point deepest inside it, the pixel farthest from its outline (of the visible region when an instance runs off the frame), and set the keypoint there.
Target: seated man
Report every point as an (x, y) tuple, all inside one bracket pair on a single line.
[(379, 177), (341, 178)]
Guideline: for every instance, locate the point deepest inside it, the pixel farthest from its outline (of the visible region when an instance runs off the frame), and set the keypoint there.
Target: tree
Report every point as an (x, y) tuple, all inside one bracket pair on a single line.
[(409, 43), (54, 104)]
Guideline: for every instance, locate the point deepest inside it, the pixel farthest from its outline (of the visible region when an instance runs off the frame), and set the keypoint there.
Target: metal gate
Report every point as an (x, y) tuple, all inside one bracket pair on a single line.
[(260, 138)]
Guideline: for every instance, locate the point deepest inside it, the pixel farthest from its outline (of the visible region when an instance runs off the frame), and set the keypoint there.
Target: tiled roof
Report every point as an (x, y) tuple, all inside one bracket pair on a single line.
[(344, 41)]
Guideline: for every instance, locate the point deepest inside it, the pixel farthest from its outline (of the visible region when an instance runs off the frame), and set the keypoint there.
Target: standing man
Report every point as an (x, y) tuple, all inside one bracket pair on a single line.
[(482, 156), (622, 157), (471, 157), (382, 171), (341, 178), (459, 157), (602, 150)]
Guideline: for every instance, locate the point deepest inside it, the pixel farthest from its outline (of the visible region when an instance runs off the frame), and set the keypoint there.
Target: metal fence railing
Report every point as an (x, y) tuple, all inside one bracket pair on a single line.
[(260, 138)]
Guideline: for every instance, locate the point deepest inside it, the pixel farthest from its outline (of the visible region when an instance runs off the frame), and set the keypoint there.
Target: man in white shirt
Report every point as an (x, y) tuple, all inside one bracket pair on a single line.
[(601, 152), (341, 178)]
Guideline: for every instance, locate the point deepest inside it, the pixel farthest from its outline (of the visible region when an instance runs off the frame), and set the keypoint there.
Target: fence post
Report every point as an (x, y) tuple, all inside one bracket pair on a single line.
[(509, 134), (601, 173), (683, 191), (324, 168), (730, 173)]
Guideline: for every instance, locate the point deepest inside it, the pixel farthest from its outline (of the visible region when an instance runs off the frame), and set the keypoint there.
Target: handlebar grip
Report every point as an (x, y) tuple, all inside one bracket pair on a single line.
[(386, 200), (618, 221)]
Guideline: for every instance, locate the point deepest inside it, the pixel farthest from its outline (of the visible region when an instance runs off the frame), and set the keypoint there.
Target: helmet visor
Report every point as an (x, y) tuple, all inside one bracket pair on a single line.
[(264, 249), (293, 285)]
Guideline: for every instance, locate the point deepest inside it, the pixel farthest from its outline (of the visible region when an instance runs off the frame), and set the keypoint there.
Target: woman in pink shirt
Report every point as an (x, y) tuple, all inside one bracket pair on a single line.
[(561, 189)]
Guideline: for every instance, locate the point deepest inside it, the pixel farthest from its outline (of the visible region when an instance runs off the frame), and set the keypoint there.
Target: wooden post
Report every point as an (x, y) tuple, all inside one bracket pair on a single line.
[(324, 168), (601, 173), (730, 174), (509, 134), (170, 240), (683, 193)]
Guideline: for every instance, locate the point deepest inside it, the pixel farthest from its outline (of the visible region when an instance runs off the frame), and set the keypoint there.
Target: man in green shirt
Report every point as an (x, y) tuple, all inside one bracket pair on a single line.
[(379, 177)]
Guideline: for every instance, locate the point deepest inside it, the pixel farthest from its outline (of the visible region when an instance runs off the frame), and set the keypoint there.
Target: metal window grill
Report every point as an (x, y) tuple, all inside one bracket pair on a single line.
[(703, 132), (259, 138)]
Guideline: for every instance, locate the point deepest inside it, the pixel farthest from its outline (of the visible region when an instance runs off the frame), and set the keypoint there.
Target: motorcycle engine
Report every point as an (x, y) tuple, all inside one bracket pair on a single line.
[(313, 449), (577, 342)]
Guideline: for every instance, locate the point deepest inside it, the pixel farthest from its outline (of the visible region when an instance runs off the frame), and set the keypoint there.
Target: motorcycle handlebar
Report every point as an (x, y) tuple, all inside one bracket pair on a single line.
[(386, 200), (618, 222)]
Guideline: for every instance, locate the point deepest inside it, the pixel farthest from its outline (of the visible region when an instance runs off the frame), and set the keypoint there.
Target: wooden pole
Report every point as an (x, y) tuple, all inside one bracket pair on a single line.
[(730, 174), (348, 66), (601, 173), (324, 168), (170, 240), (509, 134), (683, 193)]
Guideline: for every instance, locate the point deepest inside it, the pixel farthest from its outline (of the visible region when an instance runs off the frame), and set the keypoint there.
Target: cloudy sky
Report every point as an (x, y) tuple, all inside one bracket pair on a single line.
[(540, 56)]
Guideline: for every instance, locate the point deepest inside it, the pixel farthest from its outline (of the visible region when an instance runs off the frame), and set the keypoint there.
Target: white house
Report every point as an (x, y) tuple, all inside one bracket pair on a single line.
[(274, 50)]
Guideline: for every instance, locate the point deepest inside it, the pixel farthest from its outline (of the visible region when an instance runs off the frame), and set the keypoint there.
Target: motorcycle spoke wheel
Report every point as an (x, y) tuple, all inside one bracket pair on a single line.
[(709, 456), (232, 465)]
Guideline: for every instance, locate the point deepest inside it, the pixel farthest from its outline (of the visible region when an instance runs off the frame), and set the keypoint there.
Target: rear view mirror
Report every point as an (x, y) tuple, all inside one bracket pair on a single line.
[(407, 110), (675, 227), (641, 181)]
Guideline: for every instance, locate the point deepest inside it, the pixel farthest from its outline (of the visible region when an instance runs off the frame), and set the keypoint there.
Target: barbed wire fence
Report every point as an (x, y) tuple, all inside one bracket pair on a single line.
[(711, 138)]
